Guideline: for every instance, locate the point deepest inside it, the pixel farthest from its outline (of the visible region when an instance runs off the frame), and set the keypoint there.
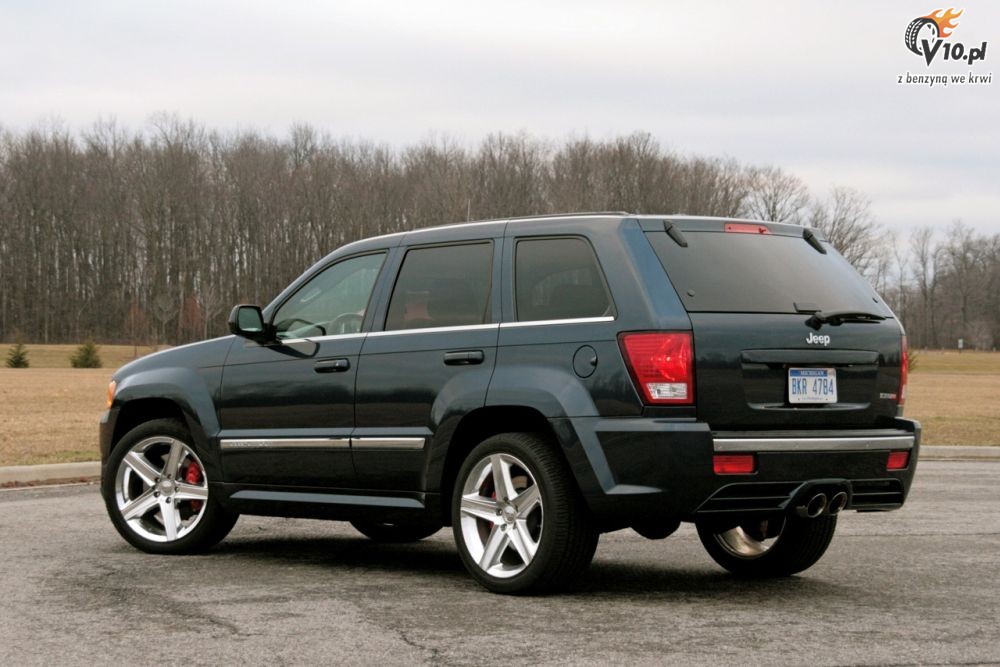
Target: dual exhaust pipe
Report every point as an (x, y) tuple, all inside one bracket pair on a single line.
[(820, 504)]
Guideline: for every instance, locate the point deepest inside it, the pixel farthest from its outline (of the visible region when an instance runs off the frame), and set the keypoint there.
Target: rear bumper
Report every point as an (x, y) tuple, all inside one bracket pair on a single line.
[(638, 470)]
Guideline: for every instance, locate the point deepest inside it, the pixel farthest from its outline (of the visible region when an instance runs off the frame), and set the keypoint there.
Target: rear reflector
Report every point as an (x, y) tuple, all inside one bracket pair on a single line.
[(898, 460), (904, 371), (744, 228), (661, 365), (734, 464)]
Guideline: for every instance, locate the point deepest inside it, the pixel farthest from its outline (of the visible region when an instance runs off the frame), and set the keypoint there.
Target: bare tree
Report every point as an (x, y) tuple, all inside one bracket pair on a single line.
[(926, 257), (963, 258), (775, 196), (846, 220), (153, 234)]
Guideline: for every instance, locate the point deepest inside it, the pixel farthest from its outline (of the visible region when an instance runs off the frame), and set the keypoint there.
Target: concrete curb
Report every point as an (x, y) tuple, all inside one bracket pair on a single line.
[(53, 473), (59, 473), (959, 453)]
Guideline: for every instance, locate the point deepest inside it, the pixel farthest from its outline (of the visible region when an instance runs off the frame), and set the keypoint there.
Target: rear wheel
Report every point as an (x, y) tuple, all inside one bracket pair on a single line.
[(384, 531), (772, 547), (157, 494), (518, 518)]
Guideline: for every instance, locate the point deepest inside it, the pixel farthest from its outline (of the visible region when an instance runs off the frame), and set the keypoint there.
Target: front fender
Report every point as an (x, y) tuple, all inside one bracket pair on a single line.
[(194, 391)]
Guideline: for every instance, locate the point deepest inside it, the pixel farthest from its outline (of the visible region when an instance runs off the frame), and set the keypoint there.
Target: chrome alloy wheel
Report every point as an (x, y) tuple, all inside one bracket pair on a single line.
[(161, 489), (501, 515), (751, 540)]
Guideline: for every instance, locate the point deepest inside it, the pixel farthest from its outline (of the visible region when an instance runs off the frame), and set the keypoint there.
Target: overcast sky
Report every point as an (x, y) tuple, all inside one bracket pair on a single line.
[(808, 86)]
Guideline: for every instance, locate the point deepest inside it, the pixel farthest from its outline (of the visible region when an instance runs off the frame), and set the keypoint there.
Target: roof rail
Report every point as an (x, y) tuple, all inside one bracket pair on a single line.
[(580, 214)]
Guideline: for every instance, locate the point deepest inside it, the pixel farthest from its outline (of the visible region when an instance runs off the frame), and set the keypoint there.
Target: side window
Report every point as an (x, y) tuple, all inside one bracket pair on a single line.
[(444, 286), (558, 279), (333, 302)]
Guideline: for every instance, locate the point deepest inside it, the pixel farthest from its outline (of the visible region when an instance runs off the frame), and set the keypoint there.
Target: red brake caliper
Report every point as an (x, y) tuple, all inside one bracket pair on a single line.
[(193, 476)]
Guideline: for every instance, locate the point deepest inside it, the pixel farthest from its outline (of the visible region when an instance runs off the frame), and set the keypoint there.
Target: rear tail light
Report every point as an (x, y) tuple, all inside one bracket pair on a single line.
[(904, 371), (898, 460), (734, 464), (662, 366)]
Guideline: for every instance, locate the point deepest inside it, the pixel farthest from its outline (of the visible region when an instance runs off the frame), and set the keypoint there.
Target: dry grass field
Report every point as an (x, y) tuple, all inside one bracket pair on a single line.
[(57, 356), (49, 412), (956, 397)]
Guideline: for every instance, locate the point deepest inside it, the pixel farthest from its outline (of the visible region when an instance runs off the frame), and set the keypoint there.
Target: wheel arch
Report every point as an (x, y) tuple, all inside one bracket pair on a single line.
[(180, 394), (472, 429), (142, 410)]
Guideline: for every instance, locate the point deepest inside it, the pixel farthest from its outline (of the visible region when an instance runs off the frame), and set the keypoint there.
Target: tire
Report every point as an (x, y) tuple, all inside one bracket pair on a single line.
[(748, 550), (913, 30), (381, 531), (137, 479), (532, 542)]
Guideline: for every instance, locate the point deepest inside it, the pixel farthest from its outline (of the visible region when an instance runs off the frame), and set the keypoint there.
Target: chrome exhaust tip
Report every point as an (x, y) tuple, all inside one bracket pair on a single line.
[(837, 503), (813, 508)]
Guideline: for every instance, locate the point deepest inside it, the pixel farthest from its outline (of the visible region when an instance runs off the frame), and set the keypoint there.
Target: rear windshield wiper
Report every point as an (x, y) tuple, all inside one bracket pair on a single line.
[(837, 317)]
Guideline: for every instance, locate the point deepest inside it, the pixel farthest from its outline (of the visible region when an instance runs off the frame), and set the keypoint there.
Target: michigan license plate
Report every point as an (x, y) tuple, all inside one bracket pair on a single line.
[(812, 385)]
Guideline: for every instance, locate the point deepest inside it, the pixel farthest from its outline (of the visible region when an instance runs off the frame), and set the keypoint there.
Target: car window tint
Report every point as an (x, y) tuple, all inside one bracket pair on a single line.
[(558, 279), (761, 273), (333, 302), (443, 286)]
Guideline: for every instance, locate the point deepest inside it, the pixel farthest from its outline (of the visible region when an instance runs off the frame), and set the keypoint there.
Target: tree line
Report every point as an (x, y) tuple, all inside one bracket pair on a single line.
[(151, 236)]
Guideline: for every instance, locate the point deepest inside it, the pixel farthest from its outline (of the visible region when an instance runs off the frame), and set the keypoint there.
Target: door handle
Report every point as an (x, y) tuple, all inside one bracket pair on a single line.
[(464, 357), (332, 366)]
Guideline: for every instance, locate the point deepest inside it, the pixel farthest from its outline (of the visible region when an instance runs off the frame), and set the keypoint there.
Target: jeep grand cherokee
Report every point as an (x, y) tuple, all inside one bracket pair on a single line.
[(533, 383)]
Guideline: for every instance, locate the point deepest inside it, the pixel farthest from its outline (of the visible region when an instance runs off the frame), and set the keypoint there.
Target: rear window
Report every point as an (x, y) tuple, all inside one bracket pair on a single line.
[(757, 273), (558, 279)]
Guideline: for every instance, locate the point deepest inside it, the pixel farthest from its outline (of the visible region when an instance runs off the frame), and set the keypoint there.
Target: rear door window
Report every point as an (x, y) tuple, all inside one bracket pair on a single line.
[(442, 286), (557, 279), (761, 273)]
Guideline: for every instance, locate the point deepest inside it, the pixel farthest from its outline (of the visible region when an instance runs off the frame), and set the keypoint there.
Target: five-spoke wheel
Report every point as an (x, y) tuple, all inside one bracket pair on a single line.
[(160, 489), (502, 515), (518, 518), (157, 491)]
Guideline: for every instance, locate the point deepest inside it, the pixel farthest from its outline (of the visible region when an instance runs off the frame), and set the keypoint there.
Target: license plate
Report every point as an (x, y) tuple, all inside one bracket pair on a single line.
[(812, 385)]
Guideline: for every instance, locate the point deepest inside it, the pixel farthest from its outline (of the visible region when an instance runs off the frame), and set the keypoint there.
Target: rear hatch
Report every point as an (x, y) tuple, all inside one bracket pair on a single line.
[(787, 335)]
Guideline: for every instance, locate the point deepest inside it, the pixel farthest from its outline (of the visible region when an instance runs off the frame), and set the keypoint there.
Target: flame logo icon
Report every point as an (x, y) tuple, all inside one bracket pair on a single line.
[(939, 24), (946, 21)]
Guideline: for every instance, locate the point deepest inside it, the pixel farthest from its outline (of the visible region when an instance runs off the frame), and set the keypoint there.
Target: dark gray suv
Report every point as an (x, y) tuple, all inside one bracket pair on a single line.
[(533, 383)]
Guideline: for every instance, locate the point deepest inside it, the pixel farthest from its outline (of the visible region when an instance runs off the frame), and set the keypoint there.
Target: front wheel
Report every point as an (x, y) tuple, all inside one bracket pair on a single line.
[(518, 518), (157, 494), (772, 547)]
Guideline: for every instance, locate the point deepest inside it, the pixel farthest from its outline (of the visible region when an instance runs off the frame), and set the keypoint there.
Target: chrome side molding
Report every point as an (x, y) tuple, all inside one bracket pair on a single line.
[(245, 444), (242, 444)]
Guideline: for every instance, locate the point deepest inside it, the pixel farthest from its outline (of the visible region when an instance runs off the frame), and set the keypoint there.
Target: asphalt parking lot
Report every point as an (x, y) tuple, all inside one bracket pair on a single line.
[(918, 586)]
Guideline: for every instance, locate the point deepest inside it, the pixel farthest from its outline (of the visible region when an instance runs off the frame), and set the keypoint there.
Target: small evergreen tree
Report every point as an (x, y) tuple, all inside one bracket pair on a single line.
[(17, 357), (86, 356)]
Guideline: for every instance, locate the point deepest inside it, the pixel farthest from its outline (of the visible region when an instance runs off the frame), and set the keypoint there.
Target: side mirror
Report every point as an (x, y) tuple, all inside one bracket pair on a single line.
[(247, 321)]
